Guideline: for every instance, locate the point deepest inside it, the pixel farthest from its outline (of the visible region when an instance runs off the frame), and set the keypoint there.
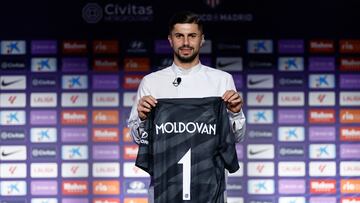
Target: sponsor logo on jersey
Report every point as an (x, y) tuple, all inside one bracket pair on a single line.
[(291, 169), (105, 47), (74, 47), (260, 46), (106, 170), (322, 168), (44, 170)]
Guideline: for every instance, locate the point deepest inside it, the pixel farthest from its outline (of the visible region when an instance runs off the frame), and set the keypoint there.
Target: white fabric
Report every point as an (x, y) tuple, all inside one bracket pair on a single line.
[(196, 82)]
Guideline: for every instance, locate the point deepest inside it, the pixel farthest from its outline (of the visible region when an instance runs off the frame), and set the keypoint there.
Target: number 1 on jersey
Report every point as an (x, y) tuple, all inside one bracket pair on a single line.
[(186, 162)]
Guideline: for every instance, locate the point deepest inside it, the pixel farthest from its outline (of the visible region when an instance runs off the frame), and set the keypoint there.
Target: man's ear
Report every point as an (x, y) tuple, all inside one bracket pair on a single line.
[(170, 41), (202, 41)]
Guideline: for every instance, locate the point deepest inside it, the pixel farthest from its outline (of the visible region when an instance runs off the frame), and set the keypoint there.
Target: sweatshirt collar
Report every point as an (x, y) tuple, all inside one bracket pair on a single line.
[(182, 71)]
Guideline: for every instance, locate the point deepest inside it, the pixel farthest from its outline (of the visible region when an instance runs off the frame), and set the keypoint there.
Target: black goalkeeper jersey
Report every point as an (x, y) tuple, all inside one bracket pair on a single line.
[(186, 145)]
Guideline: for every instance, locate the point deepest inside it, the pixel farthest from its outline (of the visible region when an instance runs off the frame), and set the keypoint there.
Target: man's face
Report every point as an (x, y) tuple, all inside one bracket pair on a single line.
[(185, 40)]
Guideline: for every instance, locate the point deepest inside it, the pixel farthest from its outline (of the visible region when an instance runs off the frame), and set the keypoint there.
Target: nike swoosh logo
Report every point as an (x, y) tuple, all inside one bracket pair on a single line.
[(257, 152), (222, 65), (254, 82), (3, 83), (9, 153)]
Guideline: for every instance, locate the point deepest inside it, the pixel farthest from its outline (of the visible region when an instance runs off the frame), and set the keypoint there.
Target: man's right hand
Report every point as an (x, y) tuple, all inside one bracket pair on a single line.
[(146, 103)]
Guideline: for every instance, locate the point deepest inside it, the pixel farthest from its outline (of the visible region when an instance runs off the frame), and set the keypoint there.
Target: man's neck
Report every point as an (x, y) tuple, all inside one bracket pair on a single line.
[(186, 65)]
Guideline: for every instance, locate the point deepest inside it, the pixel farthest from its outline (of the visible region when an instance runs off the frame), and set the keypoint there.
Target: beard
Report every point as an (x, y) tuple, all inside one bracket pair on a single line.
[(186, 59)]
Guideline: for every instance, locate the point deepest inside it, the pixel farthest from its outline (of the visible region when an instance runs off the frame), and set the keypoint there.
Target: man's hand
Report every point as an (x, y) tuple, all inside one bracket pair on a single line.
[(233, 101), (146, 103)]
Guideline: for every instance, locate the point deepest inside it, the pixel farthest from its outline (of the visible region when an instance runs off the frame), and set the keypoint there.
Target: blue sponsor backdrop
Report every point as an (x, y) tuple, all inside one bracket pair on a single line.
[(69, 72)]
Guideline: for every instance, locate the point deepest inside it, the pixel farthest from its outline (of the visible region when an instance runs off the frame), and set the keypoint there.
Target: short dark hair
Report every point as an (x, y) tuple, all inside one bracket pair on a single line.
[(185, 17)]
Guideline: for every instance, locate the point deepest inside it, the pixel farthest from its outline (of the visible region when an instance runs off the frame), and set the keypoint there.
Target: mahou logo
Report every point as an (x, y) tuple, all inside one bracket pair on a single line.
[(105, 134), (75, 187), (350, 200), (106, 200), (322, 116), (322, 186), (76, 117), (350, 133)]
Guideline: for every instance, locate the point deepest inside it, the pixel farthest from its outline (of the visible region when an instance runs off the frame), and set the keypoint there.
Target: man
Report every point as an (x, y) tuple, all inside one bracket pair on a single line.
[(186, 78)]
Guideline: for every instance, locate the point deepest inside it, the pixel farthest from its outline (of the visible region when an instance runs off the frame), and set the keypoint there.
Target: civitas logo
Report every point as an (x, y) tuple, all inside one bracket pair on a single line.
[(116, 12), (7, 135), (92, 13)]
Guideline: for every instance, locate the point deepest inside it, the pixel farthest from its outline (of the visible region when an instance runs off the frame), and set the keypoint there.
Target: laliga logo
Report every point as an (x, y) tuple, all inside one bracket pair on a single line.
[(92, 13)]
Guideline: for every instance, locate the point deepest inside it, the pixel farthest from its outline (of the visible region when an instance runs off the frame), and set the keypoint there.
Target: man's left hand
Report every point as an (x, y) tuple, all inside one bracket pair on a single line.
[(233, 101)]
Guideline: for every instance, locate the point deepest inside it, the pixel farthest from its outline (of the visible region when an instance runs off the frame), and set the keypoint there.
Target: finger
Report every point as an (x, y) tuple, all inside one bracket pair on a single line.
[(228, 94), (143, 109), (151, 100), (234, 97)]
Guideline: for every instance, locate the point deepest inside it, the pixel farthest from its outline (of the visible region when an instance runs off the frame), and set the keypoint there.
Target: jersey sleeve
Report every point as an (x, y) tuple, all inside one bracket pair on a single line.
[(144, 159), (227, 141)]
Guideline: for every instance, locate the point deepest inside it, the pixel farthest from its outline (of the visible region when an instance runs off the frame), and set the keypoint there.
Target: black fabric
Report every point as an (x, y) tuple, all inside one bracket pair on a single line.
[(177, 126)]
